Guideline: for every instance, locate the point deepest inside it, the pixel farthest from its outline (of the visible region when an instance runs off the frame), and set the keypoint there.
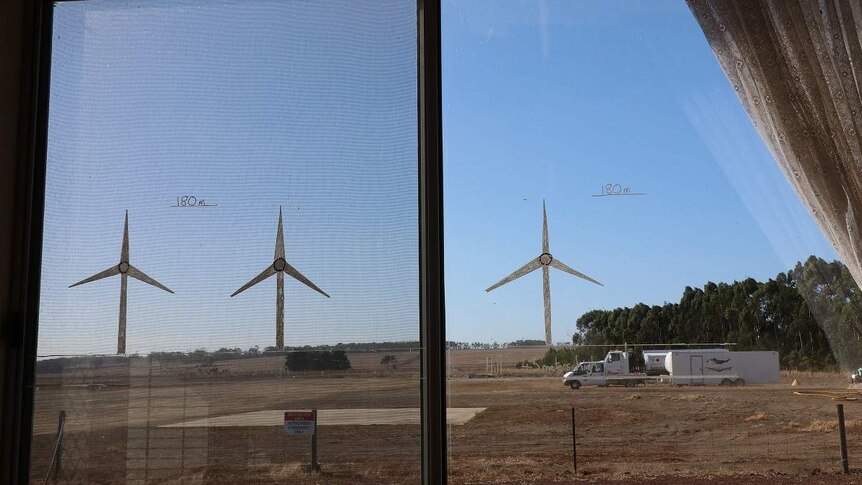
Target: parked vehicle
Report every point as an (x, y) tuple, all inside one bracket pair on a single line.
[(684, 367), (614, 370)]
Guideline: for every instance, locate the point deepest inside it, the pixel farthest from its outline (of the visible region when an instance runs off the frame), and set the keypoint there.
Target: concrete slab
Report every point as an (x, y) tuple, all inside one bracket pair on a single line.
[(329, 417)]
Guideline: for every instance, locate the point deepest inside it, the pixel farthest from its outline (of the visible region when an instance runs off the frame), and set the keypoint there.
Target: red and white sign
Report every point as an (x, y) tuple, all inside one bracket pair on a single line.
[(299, 422)]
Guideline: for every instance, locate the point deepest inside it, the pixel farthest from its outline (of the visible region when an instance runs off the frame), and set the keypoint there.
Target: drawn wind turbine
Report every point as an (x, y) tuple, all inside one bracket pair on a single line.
[(279, 267), (544, 261), (124, 269)]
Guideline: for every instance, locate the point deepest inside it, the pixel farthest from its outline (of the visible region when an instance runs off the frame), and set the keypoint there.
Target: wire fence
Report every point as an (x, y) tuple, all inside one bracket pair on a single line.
[(654, 431), (143, 421), (125, 429)]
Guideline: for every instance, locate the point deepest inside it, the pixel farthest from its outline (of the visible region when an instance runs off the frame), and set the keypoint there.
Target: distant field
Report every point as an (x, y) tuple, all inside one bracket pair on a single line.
[(685, 434), (463, 363)]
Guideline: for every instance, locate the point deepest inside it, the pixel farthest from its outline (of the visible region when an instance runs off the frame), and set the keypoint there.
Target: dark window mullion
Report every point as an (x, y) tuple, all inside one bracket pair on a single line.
[(433, 337), (19, 317)]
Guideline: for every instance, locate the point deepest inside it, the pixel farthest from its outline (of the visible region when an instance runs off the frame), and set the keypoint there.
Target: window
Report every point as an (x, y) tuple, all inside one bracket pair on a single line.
[(694, 166), (230, 282), (674, 179)]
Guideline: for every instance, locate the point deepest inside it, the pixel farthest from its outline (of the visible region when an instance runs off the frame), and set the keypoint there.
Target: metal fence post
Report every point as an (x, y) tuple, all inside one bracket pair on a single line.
[(845, 465), (574, 443), (57, 458), (314, 463), (61, 425)]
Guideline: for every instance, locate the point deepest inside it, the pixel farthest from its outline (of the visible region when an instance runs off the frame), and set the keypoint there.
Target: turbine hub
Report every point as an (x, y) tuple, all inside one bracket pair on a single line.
[(123, 267), (545, 258), (279, 264)]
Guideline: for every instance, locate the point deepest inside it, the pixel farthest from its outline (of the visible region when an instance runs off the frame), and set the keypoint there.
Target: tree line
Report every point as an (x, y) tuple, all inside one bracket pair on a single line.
[(811, 315), (452, 345)]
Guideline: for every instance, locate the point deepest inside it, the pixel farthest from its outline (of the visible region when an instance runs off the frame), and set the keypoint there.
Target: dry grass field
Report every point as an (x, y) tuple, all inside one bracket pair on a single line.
[(122, 432)]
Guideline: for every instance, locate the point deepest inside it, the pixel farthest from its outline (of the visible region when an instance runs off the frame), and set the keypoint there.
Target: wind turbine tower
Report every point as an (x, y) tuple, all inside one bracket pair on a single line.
[(124, 269), (279, 267), (544, 261)]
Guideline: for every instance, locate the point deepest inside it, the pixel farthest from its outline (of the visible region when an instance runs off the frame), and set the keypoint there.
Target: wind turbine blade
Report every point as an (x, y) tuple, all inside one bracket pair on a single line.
[(124, 251), (527, 268), (279, 239), (98, 276), (562, 267), (139, 275), (546, 247), (269, 271), (299, 277)]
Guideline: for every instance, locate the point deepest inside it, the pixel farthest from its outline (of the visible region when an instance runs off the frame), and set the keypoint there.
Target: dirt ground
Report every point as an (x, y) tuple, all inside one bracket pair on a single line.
[(674, 435)]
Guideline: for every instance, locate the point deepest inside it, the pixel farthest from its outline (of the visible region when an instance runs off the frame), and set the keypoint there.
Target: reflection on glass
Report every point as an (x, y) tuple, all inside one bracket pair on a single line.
[(210, 143)]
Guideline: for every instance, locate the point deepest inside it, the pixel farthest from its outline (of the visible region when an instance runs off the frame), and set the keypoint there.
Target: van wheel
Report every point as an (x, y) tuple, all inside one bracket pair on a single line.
[(726, 382), (575, 385), (739, 382)]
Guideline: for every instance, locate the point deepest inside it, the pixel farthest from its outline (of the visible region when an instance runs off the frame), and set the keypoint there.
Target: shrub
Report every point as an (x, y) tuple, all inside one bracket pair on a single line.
[(301, 360), (389, 361)]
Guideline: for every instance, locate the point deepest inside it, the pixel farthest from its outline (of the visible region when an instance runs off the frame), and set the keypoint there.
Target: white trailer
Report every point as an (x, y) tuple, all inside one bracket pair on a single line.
[(710, 367)]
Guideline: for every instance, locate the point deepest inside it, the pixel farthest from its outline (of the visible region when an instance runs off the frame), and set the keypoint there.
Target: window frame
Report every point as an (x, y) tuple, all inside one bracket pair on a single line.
[(431, 299), (24, 229)]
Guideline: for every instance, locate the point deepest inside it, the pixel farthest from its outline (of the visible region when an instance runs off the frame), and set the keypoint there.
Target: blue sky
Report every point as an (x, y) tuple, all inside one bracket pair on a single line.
[(298, 104), (312, 106), (555, 99)]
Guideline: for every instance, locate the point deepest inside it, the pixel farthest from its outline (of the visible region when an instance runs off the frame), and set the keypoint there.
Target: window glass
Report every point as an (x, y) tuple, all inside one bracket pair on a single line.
[(671, 180), (230, 267)]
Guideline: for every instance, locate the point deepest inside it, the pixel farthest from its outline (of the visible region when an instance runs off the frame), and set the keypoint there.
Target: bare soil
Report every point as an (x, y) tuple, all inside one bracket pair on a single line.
[(671, 435)]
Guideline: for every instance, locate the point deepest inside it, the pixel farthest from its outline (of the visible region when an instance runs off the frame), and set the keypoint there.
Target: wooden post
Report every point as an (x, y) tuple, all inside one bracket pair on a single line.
[(574, 443), (845, 465), (315, 466), (61, 425)]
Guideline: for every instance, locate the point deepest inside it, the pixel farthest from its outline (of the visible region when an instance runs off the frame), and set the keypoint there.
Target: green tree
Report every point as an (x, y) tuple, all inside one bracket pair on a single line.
[(811, 315)]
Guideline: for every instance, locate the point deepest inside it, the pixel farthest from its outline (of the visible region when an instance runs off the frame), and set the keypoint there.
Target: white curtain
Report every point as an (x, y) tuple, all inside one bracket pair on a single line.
[(796, 65)]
